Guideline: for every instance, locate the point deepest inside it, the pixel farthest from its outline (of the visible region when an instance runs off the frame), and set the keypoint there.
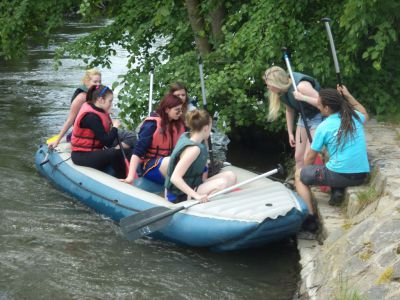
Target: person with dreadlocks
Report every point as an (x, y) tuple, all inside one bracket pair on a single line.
[(343, 136)]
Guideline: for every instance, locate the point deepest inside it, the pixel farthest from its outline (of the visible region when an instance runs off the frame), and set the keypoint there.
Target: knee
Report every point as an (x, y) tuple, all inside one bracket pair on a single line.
[(230, 177), (299, 156), (297, 175)]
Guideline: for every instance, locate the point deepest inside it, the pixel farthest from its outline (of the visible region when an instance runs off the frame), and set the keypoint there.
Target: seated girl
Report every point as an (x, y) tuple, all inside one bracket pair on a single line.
[(91, 77), (186, 176), (157, 137), (342, 133), (178, 89), (94, 130)]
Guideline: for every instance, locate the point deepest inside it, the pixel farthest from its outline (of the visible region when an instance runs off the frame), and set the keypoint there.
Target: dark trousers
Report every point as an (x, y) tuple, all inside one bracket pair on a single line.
[(101, 159)]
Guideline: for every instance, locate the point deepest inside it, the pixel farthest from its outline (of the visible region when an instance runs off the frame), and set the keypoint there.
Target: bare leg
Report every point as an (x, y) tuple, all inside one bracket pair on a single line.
[(164, 166), (301, 143), (217, 183), (308, 145), (304, 192)]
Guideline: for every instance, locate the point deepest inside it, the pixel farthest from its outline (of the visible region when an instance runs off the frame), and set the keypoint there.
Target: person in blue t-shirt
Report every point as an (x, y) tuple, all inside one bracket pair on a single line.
[(342, 134)]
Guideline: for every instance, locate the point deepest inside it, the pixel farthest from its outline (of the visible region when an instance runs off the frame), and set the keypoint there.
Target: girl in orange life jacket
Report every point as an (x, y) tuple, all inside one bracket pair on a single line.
[(185, 175), (280, 90), (91, 77), (158, 136), (93, 130)]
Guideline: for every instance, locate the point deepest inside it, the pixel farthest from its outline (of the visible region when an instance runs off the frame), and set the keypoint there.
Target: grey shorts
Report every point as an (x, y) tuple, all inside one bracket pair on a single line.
[(312, 123), (321, 175)]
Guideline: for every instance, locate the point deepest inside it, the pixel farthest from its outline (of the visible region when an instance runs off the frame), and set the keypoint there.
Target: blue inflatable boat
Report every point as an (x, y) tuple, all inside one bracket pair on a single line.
[(259, 213)]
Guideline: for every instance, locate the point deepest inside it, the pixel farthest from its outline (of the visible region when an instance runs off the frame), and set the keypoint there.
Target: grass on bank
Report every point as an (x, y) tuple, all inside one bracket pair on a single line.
[(344, 292)]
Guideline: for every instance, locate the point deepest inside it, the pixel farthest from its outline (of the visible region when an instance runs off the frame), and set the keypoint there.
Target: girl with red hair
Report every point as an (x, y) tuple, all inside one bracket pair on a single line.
[(157, 138)]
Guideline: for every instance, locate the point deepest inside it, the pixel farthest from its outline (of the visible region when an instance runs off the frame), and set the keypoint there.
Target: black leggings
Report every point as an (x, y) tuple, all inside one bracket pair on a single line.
[(101, 159)]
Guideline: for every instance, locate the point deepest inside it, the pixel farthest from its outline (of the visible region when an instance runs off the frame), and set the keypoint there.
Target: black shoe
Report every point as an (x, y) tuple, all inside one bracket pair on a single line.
[(337, 197), (310, 224)]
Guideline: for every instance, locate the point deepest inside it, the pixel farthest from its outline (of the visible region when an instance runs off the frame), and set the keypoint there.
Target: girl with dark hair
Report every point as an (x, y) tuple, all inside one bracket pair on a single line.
[(94, 130), (186, 174), (158, 136), (178, 89), (343, 136)]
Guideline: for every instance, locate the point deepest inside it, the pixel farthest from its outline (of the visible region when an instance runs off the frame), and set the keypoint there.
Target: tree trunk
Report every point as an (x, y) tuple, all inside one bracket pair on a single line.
[(217, 15), (198, 27)]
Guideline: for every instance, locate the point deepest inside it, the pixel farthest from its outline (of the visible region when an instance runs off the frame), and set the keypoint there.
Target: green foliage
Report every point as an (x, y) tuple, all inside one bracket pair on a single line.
[(159, 33), (24, 21)]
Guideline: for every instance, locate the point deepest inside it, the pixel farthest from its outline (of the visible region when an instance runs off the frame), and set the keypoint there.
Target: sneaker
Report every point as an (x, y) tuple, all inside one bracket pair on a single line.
[(337, 197), (310, 224)]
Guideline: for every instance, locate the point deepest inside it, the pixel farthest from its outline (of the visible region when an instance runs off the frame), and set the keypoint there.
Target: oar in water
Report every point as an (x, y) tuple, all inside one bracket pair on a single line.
[(154, 219)]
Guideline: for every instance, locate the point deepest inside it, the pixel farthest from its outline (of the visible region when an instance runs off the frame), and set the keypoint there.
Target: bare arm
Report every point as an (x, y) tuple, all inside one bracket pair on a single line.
[(306, 93), (73, 112), (289, 124), (188, 156), (356, 105), (310, 158), (135, 161)]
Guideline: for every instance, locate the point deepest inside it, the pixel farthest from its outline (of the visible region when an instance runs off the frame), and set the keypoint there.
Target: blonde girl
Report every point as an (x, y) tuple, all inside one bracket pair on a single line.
[(280, 90), (92, 77)]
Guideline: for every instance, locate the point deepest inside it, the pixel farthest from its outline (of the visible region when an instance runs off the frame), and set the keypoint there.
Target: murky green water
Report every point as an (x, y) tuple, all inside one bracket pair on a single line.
[(52, 247)]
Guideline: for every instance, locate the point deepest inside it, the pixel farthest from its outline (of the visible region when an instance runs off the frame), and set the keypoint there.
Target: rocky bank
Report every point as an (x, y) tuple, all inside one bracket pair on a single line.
[(357, 254)]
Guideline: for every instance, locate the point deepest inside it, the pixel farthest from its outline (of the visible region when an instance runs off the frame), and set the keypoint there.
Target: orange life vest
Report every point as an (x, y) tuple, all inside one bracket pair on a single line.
[(163, 144), (83, 139)]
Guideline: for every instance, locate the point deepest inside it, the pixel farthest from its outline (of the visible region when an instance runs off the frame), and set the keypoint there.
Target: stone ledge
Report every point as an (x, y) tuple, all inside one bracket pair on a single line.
[(361, 247)]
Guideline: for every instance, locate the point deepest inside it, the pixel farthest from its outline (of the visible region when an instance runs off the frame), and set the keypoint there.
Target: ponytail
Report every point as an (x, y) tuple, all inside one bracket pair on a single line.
[(97, 91), (197, 119), (338, 104)]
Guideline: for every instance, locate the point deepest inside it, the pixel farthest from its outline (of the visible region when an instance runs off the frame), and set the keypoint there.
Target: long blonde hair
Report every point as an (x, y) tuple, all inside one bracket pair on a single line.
[(277, 77), (88, 73)]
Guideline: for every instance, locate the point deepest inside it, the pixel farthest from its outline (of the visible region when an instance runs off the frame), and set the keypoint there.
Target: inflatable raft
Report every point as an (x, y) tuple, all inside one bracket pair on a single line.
[(259, 213)]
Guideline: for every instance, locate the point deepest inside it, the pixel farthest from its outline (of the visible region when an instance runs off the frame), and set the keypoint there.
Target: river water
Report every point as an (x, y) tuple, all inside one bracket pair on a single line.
[(52, 247)]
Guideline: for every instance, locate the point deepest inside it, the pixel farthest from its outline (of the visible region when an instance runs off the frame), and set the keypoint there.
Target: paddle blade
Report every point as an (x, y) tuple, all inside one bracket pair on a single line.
[(52, 139), (146, 222)]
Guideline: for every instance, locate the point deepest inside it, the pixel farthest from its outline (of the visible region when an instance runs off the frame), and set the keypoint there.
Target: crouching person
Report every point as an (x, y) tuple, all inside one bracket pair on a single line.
[(187, 171), (342, 134)]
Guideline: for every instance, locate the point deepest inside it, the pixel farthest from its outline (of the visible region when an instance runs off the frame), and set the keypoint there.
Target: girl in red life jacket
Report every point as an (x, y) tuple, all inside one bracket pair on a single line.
[(158, 136), (91, 77), (94, 130), (186, 174)]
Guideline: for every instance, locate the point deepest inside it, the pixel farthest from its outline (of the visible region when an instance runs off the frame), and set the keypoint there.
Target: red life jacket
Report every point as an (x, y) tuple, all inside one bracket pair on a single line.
[(83, 139), (162, 145)]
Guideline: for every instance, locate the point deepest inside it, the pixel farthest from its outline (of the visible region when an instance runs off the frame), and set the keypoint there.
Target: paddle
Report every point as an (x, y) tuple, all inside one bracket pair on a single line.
[(124, 156), (303, 115), (151, 89), (203, 95), (333, 50), (153, 219)]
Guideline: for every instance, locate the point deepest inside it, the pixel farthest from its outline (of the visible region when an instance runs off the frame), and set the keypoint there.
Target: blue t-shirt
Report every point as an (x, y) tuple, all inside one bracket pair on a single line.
[(352, 157)]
